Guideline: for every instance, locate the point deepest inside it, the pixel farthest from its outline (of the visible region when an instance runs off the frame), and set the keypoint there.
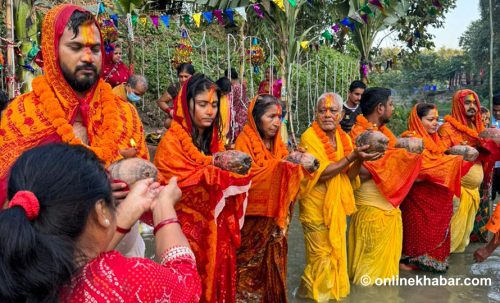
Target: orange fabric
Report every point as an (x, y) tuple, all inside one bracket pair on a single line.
[(493, 224), (212, 206), (396, 171), (46, 114), (456, 129), (275, 182), (120, 91), (437, 167)]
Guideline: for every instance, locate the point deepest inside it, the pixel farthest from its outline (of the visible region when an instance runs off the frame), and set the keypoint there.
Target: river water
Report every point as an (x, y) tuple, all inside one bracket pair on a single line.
[(462, 266)]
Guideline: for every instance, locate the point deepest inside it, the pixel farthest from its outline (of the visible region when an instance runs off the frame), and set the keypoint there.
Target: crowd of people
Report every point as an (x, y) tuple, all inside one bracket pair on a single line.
[(226, 186)]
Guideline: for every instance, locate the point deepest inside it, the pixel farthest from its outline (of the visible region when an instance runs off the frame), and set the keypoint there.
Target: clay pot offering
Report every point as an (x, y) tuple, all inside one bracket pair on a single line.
[(411, 144), (378, 141), (491, 133), (308, 161), (469, 153), (233, 160)]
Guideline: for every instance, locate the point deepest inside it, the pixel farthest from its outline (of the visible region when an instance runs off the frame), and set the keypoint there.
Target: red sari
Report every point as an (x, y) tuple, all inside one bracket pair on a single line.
[(428, 207), (115, 73), (113, 278), (212, 208)]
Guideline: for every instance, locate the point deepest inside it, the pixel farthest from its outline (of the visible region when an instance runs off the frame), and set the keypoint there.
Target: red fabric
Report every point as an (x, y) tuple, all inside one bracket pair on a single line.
[(114, 73), (426, 213), (113, 278)]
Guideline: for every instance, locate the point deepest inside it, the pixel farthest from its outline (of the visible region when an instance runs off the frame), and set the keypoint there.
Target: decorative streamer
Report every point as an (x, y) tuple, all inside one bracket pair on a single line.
[(293, 3), (197, 19), (218, 16), (166, 20), (304, 45), (101, 9), (230, 15), (280, 4), (208, 16), (143, 20), (364, 17), (187, 19), (114, 17), (134, 20), (335, 27), (242, 12), (346, 22), (258, 11), (154, 19), (327, 35), (357, 17)]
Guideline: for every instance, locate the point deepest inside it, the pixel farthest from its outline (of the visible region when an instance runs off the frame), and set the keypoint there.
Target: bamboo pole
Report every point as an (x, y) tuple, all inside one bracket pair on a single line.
[(11, 58)]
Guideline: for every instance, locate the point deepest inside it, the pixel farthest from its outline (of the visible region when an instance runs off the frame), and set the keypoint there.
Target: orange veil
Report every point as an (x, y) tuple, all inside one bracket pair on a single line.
[(275, 183)]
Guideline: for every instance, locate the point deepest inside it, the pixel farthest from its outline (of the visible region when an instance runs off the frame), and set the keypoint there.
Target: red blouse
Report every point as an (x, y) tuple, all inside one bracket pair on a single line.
[(112, 277)]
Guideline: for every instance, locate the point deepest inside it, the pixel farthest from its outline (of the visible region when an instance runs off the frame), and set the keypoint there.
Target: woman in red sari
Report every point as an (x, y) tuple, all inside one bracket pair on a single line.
[(61, 225), (214, 185), (428, 207), (115, 72)]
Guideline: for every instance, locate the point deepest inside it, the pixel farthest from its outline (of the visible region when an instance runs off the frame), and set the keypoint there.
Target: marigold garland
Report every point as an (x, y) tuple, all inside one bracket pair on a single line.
[(258, 147), (462, 128), (188, 146), (330, 152), (363, 122), (105, 147)]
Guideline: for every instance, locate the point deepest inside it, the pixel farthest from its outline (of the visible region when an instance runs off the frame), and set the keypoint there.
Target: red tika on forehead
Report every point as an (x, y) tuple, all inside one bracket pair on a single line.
[(328, 101)]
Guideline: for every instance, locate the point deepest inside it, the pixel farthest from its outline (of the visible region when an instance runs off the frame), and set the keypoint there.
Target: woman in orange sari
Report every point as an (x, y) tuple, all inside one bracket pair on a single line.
[(213, 202), (428, 207), (262, 257)]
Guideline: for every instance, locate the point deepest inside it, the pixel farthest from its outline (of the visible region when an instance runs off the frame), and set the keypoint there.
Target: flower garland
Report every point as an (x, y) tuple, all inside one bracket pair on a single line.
[(429, 144), (105, 149), (363, 122), (257, 147), (331, 154), (188, 146), (462, 128)]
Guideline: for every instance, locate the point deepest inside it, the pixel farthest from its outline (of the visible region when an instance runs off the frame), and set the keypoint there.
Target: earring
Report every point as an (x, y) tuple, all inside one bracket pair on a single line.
[(106, 222)]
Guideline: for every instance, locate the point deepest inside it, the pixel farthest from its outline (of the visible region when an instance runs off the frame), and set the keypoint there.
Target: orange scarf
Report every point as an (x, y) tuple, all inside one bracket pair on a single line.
[(396, 171), (46, 114), (275, 182), (437, 167)]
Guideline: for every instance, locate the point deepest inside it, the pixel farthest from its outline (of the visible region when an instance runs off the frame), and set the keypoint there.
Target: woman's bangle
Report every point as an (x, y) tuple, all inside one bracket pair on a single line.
[(176, 252), (123, 230), (348, 160), (163, 223)]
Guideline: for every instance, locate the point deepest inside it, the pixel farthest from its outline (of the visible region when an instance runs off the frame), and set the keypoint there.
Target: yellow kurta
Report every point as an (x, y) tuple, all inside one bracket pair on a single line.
[(463, 218), (323, 210), (375, 237)]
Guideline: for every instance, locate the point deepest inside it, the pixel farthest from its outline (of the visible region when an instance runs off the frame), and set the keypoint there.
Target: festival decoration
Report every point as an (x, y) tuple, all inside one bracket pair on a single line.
[(208, 16), (293, 3), (258, 11), (230, 15), (31, 53), (242, 12), (218, 15), (257, 55), (108, 29), (197, 19), (154, 19), (183, 50), (166, 20), (187, 19), (2, 62), (114, 17), (348, 23), (304, 45), (280, 4)]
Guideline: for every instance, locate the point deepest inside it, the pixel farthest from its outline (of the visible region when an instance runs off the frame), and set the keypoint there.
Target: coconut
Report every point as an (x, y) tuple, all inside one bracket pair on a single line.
[(233, 160), (308, 161), (469, 153), (491, 133), (131, 170), (411, 144), (376, 140)]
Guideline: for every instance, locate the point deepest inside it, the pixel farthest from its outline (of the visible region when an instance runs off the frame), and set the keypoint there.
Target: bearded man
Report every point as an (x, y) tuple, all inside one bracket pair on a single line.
[(70, 103)]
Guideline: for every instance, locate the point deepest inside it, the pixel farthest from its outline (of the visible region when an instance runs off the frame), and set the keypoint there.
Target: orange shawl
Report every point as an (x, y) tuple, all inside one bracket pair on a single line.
[(212, 207), (275, 182), (456, 128), (437, 167), (396, 171), (46, 114)]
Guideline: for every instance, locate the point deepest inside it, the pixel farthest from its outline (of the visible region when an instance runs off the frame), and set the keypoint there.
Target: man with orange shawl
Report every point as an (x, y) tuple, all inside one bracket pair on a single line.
[(463, 127), (214, 186), (428, 207), (376, 231), (326, 200), (262, 257), (70, 103)]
